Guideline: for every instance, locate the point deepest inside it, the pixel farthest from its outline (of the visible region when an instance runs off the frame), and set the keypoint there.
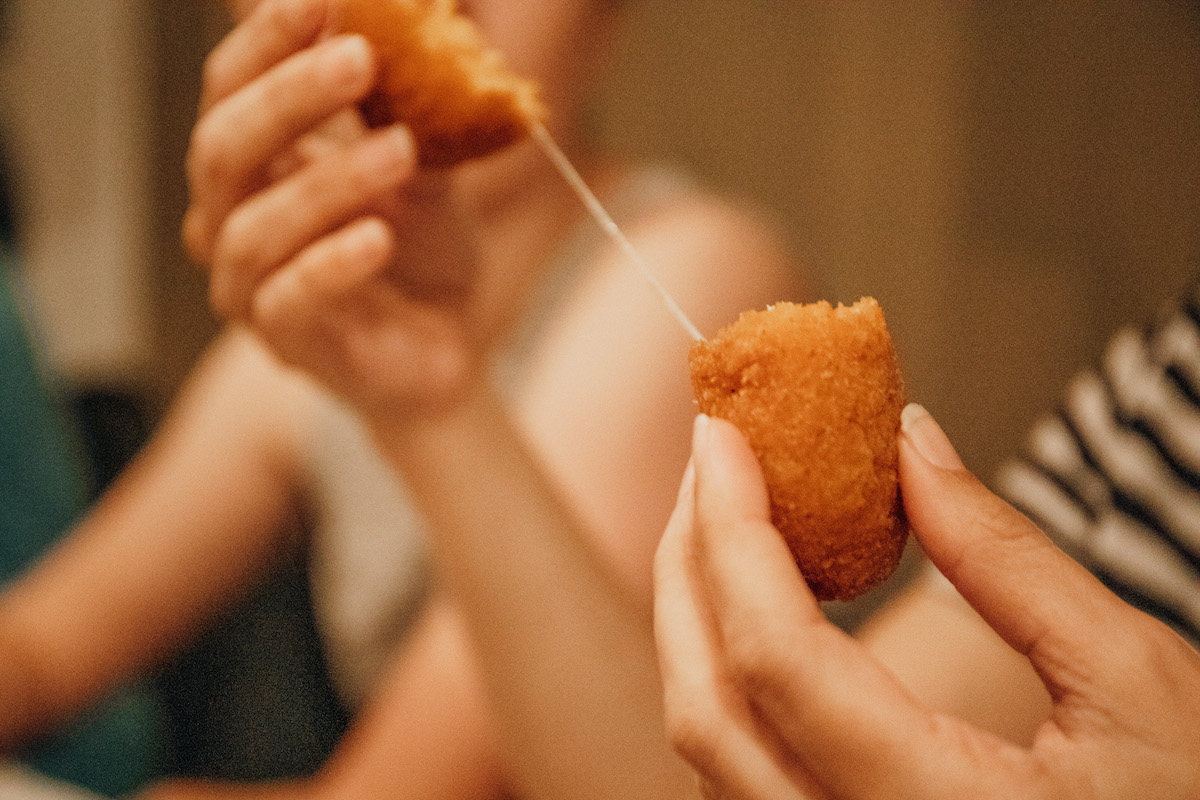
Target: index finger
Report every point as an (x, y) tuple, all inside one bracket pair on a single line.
[(709, 725), (849, 722), (274, 30), (234, 144)]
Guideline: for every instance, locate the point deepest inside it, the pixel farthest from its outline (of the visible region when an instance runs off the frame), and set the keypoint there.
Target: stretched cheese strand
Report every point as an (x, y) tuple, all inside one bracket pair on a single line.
[(564, 166)]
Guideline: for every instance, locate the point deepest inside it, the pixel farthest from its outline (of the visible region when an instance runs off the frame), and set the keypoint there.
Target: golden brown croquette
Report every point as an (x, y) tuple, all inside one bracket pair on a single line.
[(818, 393), (440, 78)]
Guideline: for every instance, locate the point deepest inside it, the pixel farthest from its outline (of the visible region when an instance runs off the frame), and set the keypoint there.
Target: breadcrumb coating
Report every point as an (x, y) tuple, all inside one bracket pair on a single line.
[(817, 391), (438, 76)]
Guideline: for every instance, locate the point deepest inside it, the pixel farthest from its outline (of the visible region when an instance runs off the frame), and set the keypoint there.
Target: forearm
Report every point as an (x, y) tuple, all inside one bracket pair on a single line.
[(186, 529), (19, 721), (568, 657)]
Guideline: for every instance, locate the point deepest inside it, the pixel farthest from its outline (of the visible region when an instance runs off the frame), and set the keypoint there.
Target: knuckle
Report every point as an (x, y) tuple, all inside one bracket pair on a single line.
[(756, 662), (1000, 535), (209, 151), (236, 245), (235, 255), (692, 730), (270, 321), (216, 72)]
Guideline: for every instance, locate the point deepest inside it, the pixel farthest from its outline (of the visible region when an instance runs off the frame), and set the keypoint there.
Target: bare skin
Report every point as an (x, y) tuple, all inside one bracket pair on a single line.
[(390, 289), (767, 700)]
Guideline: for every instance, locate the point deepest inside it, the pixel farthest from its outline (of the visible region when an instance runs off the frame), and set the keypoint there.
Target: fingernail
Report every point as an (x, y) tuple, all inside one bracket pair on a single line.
[(388, 156), (402, 138), (346, 61), (928, 438)]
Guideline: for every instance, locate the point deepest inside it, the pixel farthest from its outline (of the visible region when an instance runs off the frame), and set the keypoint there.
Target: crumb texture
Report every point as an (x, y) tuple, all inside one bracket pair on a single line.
[(439, 77), (817, 391)]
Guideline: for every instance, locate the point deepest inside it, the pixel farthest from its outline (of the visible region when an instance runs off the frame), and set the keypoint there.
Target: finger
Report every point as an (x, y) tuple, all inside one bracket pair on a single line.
[(849, 723), (273, 31), (709, 724), (235, 143), (323, 273), (330, 136), (332, 313), (334, 134), (275, 225), (1040, 601)]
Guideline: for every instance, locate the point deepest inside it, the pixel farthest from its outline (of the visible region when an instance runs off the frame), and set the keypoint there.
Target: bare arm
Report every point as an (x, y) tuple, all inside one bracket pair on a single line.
[(192, 521), (567, 654), (543, 515), (426, 734)]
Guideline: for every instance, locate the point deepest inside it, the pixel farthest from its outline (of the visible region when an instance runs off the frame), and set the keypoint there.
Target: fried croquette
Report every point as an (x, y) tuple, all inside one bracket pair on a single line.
[(440, 78), (818, 393)]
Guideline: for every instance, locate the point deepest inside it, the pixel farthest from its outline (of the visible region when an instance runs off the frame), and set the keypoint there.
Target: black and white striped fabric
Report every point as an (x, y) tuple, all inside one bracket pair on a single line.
[(1114, 477)]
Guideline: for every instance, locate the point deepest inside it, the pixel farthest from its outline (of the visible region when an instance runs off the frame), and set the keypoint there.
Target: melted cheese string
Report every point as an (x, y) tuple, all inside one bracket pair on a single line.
[(568, 171)]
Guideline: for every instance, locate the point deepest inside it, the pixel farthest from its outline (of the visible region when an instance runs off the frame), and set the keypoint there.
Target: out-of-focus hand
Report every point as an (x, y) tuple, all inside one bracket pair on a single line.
[(768, 700), (319, 233)]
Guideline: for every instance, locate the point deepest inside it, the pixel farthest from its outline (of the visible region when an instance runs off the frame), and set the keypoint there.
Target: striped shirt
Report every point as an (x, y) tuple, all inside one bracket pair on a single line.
[(1114, 476)]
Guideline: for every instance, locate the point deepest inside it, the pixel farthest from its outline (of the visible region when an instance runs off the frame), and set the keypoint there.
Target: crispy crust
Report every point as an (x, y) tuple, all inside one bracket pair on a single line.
[(818, 393), (439, 77)]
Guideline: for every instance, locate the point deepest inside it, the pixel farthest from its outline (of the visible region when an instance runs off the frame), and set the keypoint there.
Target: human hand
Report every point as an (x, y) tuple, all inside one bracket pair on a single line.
[(320, 234), (767, 699)]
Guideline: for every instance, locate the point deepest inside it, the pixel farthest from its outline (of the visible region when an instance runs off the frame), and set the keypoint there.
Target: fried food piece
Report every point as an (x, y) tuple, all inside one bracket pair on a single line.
[(439, 77), (818, 393)]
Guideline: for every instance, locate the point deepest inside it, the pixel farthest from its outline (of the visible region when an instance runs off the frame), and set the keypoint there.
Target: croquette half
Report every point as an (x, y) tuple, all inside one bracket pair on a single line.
[(439, 77), (817, 391)]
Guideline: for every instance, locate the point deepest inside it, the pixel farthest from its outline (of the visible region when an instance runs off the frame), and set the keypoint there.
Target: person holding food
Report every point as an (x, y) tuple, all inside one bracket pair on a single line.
[(471, 331), (767, 700), (353, 296), (376, 293), (533, 498)]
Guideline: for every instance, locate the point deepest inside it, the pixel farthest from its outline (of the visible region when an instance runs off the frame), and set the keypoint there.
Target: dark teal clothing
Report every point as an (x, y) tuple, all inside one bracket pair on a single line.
[(114, 750), (41, 487)]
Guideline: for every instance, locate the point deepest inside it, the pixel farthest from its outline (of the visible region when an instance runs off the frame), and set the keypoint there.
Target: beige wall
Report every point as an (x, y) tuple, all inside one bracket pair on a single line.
[(96, 98), (73, 81), (1010, 180)]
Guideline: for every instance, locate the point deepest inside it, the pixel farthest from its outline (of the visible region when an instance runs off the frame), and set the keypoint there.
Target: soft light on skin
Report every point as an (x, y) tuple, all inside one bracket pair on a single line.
[(240, 9)]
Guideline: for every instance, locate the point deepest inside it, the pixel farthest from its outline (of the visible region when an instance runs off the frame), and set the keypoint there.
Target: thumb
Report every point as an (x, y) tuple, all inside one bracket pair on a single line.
[(1040, 601)]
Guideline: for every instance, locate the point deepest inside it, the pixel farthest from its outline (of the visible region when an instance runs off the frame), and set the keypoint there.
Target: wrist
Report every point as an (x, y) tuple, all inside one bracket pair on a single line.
[(448, 419)]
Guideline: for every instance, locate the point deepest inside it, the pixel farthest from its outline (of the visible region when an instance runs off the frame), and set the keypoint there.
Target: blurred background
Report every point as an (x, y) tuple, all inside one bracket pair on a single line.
[(1011, 181)]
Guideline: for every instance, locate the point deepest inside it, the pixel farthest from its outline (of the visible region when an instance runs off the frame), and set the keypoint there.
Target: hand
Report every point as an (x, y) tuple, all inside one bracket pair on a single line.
[(319, 233), (768, 700)]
